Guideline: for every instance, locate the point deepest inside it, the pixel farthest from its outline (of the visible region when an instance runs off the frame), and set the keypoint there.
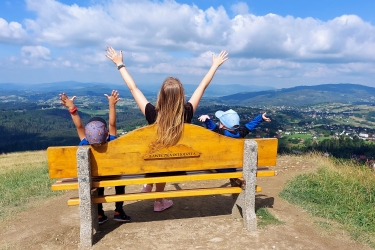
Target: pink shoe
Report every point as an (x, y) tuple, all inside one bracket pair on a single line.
[(147, 188), (162, 205)]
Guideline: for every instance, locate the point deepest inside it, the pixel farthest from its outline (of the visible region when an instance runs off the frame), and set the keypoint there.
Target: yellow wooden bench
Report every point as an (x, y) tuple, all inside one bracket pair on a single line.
[(125, 160)]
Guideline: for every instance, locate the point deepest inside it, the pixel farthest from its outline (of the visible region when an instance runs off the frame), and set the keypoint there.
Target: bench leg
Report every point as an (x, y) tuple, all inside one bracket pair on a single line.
[(87, 209), (94, 212), (246, 200)]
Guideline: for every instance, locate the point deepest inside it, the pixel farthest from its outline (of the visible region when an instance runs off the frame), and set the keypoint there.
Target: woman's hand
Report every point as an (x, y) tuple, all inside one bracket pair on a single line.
[(222, 57), (112, 54)]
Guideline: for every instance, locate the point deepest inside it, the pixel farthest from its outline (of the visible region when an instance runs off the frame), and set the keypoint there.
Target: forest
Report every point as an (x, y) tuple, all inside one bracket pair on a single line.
[(38, 127), (31, 126), (342, 147)]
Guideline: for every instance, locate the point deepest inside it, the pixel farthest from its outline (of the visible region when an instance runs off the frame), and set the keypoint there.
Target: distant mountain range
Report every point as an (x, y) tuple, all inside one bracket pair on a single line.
[(79, 88), (304, 95), (234, 94)]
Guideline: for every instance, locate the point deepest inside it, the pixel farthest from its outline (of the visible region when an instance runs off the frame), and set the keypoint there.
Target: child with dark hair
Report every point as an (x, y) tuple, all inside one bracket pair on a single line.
[(96, 133), (229, 125)]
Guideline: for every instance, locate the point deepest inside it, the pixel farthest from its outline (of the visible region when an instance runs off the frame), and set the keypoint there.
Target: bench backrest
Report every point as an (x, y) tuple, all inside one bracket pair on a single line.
[(198, 149)]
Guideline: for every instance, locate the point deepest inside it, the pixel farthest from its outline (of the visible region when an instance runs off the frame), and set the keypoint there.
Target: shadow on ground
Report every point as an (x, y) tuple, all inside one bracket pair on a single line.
[(183, 208)]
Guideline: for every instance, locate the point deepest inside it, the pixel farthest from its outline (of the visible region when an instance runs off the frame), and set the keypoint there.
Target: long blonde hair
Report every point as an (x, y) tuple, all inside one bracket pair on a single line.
[(170, 107)]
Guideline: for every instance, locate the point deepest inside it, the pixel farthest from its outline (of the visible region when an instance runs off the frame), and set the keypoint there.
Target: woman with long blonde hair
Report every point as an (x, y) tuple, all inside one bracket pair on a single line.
[(171, 111)]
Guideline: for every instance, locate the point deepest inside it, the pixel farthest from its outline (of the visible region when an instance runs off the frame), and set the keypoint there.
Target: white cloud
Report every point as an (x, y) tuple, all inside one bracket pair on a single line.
[(240, 8), (273, 36), (172, 38), (141, 57), (143, 26), (64, 25), (140, 25), (12, 33), (36, 52)]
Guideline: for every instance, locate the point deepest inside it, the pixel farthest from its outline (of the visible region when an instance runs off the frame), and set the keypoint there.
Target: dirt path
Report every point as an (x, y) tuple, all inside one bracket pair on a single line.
[(192, 223)]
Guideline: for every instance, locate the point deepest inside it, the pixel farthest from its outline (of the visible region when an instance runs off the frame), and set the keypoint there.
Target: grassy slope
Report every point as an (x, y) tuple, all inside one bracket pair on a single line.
[(24, 181), (340, 191)]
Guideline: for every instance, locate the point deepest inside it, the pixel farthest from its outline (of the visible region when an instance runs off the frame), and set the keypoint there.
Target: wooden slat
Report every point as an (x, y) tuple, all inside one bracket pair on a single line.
[(267, 152), (71, 184), (125, 155), (165, 194), (64, 185), (266, 173)]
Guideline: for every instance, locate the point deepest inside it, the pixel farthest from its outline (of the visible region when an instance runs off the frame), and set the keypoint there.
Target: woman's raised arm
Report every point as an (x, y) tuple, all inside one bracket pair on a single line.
[(117, 59), (198, 93)]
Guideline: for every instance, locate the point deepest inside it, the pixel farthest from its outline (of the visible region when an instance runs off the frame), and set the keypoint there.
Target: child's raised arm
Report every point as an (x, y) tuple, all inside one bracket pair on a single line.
[(137, 94), (198, 93), (207, 120), (112, 101), (266, 119), (69, 103)]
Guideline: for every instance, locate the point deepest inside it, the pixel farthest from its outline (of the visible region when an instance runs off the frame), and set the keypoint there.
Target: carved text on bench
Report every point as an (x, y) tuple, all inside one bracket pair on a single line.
[(178, 151)]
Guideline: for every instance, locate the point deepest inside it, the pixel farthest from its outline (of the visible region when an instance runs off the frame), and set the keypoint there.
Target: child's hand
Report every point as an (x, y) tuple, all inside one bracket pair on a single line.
[(113, 98), (112, 54), (222, 57), (203, 118), (266, 119), (66, 102)]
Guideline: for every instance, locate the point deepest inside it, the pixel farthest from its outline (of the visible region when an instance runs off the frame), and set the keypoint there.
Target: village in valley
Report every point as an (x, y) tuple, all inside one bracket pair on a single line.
[(302, 129)]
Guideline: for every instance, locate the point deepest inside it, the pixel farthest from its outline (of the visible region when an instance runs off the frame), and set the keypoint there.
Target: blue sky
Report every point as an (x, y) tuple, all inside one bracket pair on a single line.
[(279, 43)]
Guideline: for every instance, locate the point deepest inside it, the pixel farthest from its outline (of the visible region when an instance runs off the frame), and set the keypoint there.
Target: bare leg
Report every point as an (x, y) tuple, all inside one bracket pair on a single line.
[(161, 204), (147, 188), (159, 187)]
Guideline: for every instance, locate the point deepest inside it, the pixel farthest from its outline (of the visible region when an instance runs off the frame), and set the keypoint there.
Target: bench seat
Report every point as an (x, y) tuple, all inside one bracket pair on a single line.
[(166, 194), (124, 180)]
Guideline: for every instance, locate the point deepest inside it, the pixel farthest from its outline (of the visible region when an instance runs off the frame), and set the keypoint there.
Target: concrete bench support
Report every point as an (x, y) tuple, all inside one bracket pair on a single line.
[(88, 211), (244, 206)]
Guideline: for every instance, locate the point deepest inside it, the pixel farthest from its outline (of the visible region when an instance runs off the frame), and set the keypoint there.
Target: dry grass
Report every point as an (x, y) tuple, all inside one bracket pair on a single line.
[(350, 170), (22, 160)]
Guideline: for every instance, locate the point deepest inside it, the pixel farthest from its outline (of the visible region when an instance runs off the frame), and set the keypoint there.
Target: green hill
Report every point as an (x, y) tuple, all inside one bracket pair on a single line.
[(305, 95)]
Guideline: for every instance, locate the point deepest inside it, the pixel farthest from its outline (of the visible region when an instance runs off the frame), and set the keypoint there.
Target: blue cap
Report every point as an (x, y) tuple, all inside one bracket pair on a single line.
[(229, 118), (96, 131)]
